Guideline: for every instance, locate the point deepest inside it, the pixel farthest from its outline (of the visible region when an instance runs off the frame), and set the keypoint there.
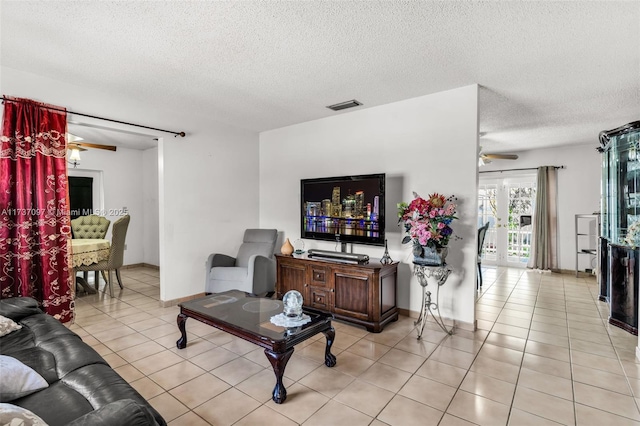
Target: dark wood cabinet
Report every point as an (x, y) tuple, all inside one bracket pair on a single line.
[(361, 294), (603, 265), (623, 279)]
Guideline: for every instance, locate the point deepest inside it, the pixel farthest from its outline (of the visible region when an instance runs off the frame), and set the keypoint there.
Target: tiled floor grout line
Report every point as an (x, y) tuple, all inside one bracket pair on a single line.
[(479, 350), (578, 292), (297, 381), (524, 350), (539, 286), (606, 323), (613, 346), (526, 340), (573, 382)]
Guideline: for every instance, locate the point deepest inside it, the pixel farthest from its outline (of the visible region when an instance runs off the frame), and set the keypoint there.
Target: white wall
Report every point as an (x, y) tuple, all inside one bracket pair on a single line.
[(208, 197), (150, 207), (425, 144), (208, 181), (578, 187), (122, 182)]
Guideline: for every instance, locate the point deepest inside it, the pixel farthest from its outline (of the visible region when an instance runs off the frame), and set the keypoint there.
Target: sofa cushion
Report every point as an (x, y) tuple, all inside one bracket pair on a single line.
[(100, 384), (17, 340), (17, 308), (7, 325), (13, 415), (233, 273), (18, 379), (46, 328), (43, 362), (58, 404), (80, 380), (117, 413), (71, 354), (247, 250)]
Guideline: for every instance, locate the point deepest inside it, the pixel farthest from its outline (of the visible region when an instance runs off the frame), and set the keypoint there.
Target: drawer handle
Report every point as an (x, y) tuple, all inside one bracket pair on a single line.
[(306, 285), (333, 290)]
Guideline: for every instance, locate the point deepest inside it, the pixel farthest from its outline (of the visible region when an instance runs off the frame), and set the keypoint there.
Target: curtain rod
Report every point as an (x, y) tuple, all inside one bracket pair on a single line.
[(176, 134), (514, 170)]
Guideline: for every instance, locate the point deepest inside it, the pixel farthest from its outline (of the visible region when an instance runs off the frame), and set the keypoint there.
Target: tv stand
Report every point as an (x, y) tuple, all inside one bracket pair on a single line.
[(363, 294)]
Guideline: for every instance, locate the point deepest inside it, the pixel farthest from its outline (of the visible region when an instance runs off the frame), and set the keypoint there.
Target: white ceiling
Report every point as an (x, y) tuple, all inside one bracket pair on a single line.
[(551, 73)]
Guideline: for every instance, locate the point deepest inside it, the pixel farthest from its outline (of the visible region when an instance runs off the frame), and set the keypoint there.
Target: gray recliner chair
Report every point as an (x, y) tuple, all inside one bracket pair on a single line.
[(253, 269)]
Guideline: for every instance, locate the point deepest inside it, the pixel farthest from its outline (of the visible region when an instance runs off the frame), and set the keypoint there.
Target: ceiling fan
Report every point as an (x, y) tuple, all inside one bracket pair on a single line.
[(82, 146), (76, 142), (486, 158), (75, 146)]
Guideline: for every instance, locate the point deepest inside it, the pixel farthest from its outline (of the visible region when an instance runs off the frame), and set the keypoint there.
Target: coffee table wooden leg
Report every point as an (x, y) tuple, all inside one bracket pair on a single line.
[(329, 358), (279, 362), (182, 341)]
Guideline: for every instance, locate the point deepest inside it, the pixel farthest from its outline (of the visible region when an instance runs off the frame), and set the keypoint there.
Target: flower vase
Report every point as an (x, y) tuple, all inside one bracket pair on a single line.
[(287, 248), (429, 256)]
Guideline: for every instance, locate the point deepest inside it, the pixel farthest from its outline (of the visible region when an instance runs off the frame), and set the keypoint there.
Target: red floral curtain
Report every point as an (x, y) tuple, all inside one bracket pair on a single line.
[(34, 216)]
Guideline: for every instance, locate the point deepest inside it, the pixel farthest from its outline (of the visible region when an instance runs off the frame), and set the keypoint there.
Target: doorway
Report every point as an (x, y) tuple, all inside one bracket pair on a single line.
[(507, 203), (80, 196)]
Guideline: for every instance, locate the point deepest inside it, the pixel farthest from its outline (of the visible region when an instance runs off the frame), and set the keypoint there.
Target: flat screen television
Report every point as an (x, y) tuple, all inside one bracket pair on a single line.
[(345, 209)]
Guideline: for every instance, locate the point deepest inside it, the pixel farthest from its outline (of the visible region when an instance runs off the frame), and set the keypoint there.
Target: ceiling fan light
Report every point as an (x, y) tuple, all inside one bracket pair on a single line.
[(75, 155)]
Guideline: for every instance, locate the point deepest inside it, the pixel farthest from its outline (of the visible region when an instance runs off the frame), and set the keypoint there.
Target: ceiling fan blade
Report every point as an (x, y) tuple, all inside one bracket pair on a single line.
[(75, 146), (501, 156), (95, 145)]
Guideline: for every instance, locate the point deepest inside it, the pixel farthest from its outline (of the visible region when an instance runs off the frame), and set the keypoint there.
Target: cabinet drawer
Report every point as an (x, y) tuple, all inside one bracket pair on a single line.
[(319, 298), (318, 276)]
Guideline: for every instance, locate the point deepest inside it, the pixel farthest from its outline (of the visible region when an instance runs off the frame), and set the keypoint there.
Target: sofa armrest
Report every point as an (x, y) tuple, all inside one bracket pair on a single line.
[(217, 259), (17, 308), (262, 273), (117, 413)]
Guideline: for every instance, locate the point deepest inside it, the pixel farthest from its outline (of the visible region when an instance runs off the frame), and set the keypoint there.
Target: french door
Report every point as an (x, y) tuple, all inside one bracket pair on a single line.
[(508, 205)]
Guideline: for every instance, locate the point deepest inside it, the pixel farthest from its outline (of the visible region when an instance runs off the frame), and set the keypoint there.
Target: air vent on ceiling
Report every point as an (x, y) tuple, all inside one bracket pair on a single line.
[(344, 105)]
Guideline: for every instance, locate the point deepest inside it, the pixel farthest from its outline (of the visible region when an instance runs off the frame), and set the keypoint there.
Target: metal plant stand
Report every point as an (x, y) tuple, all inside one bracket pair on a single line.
[(436, 275)]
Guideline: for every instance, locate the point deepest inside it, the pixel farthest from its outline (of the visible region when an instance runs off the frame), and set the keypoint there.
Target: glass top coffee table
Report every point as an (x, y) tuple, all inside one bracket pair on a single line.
[(249, 318)]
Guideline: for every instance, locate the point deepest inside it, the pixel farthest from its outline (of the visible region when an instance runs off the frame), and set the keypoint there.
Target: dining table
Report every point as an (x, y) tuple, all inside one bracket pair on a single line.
[(87, 251)]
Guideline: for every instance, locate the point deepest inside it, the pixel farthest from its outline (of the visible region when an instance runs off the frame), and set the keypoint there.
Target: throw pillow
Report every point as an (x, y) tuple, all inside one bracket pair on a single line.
[(18, 380), (7, 325), (12, 415)]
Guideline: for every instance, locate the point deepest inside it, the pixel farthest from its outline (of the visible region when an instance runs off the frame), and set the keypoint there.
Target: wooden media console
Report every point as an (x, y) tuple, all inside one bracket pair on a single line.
[(363, 294)]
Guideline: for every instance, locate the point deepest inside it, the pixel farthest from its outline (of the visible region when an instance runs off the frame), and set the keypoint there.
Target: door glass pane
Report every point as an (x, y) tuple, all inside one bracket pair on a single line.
[(487, 212), (521, 200)]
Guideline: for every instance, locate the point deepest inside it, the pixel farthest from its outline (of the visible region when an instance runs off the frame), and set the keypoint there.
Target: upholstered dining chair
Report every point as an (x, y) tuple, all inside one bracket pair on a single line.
[(90, 227), (252, 270), (482, 232), (116, 255)]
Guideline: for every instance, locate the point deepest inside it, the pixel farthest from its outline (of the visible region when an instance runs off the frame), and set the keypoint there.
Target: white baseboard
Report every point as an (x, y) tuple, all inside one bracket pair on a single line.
[(447, 321)]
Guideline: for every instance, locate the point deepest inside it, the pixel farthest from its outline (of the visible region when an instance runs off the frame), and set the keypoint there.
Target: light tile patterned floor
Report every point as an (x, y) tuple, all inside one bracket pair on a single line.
[(543, 354)]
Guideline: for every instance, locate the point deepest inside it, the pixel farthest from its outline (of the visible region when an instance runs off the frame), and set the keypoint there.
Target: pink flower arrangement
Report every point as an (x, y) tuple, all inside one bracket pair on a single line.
[(427, 222)]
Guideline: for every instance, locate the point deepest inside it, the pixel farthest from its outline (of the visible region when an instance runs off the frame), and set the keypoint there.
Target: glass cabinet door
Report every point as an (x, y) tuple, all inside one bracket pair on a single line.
[(624, 186), (605, 202)]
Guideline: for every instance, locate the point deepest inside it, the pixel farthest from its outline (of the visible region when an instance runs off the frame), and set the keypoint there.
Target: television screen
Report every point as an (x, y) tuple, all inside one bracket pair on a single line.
[(345, 209)]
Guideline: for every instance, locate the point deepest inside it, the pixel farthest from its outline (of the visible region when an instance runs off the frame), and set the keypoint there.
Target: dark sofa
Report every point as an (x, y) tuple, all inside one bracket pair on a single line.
[(83, 389)]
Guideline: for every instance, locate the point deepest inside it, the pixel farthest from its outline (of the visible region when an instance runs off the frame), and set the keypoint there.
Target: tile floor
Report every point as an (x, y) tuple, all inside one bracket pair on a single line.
[(543, 355)]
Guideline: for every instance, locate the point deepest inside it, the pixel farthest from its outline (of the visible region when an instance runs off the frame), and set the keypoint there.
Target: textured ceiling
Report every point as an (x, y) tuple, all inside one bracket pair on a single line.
[(551, 73)]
